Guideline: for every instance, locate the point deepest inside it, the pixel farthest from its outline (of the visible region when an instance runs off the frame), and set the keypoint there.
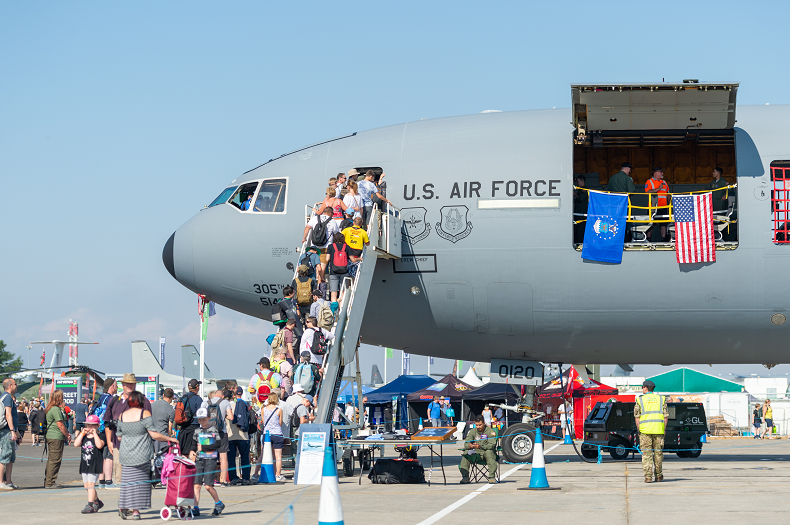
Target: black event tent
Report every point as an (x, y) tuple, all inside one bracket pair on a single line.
[(473, 402), (448, 387), (399, 388)]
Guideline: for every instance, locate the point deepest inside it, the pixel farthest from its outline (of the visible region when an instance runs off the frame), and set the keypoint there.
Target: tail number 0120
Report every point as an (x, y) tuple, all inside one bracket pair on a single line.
[(516, 372)]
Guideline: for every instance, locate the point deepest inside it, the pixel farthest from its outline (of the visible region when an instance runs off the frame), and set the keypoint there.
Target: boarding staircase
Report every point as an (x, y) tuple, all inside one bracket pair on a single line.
[(384, 232)]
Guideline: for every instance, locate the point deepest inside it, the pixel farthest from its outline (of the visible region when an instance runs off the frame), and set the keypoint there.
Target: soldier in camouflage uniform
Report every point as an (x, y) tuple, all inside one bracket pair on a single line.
[(651, 415), (482, 440)]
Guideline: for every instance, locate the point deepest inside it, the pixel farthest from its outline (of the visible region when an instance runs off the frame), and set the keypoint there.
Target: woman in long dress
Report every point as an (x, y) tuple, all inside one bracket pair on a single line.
[(136, 428)]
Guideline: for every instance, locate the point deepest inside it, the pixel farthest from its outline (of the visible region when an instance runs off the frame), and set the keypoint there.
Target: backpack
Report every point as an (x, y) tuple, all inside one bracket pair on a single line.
[(319, 345), (304, 375), (184, 414), (241, 416), (3, 420), (304, 292), (279, 340), (214, 418), (265, 388), (320, 234), (346, 223), (340, 259), (252, 416), (276, 365), (295, 422), (101, 409), (308, 261), (325, 316)]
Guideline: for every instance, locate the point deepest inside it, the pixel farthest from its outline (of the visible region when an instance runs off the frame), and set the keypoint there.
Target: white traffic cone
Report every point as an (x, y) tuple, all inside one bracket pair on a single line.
[(267, 465), (537, 477), (330, 511)]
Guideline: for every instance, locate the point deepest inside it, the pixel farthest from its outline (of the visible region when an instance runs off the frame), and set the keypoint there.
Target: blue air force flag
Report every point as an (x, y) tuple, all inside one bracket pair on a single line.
[(605, 230)]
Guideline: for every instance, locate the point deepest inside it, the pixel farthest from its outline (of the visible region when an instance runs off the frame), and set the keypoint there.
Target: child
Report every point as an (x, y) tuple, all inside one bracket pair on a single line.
[(208, 443), (91, 461)]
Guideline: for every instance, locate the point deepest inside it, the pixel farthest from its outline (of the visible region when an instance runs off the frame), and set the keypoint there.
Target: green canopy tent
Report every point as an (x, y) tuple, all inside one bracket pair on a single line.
[(693, 381)]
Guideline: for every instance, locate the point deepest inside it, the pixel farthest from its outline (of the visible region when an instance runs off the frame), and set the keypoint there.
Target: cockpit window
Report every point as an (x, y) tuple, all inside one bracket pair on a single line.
[(224, 196), (242, 199), (271, 197)]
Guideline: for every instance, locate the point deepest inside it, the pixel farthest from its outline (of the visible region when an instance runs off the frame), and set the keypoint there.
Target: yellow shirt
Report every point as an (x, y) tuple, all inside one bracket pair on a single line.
[(356, 237)]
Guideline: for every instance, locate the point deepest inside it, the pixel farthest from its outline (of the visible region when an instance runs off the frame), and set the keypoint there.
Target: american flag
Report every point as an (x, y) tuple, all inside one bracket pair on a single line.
[(694, 241)]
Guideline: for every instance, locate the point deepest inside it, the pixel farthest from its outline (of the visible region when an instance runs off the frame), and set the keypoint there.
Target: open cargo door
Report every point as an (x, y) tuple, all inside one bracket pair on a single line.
[(668, 106)]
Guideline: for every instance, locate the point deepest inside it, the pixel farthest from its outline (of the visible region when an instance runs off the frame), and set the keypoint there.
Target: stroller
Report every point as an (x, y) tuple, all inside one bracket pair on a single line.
[(178, 476)]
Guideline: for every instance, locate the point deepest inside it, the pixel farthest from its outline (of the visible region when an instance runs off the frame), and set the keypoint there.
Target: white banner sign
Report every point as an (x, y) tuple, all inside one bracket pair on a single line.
[(515, 372)]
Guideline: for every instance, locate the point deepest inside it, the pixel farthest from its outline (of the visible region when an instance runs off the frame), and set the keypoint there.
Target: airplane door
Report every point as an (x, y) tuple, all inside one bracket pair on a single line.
[(509, 308), (452, 305)]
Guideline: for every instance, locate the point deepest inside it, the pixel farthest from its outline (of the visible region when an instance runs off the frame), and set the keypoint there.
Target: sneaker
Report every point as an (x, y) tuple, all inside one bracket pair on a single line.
[(465, 481), (224, 484), (98, 504), (54, 487), (218, 508), (279, 478), (112, 486), (246, 482), (89, 509), (492, 481), (196, 511), (235, 482), (14, 485), (4, 486)]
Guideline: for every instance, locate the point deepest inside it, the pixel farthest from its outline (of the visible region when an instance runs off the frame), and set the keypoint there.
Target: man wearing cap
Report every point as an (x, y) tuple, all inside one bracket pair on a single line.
[(651, 415), (657, 184), (265, 376), (621, 182), (304, 414), (312, 261), (185, 435), (115, 408)]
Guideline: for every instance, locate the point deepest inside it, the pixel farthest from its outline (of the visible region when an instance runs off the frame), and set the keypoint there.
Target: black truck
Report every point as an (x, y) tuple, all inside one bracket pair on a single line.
[(611, 426)]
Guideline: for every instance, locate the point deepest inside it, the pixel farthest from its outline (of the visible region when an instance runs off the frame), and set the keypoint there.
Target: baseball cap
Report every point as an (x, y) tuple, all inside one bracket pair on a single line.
[(193, 383), (297, 388), (92, 420), (264, 361), (303, 268), (308, 397), (239, 391), (626, 165), (202, 412)]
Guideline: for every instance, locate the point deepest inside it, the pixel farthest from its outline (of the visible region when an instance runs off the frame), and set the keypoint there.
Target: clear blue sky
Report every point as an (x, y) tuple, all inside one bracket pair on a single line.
[(119, 121)]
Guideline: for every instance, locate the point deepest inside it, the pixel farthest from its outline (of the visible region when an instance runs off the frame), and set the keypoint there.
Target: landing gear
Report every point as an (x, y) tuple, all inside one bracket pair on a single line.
[(518, 443)]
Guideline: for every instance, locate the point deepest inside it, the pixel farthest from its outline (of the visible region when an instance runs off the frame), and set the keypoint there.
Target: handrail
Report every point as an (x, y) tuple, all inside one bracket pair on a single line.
[(651, 215)]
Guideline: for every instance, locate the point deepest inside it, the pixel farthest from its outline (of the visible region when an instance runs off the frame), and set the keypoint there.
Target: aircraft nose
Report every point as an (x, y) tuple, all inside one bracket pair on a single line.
[(167, 255), (177, 256)]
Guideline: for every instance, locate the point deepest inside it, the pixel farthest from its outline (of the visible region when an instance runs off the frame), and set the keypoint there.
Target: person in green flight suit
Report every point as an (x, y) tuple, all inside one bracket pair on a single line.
[(719, 195), (621, 182), (480, 444)]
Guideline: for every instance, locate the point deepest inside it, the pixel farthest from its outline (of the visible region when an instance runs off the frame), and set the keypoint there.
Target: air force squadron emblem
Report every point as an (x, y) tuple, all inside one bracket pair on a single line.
[(454, 225), (605, 227), (415, 227)]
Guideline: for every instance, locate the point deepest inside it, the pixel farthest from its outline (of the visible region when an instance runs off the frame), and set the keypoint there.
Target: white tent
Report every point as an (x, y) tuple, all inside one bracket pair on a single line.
[(471, 379)]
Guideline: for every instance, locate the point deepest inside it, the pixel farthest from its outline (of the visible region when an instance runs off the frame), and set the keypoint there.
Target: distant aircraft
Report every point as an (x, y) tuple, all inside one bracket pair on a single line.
[(490, 267), (375, 376)]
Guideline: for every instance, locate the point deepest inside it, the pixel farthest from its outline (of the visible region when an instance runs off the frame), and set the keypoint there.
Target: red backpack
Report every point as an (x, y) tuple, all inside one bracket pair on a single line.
[(340, 259), (264, 389)]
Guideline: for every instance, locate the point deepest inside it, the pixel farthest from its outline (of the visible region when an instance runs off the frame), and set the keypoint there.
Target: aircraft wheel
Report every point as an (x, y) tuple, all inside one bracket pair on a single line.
[(518, 443)]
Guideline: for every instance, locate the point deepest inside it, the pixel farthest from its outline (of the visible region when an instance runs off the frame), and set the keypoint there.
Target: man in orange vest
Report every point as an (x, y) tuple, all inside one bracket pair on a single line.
[(657, 184)]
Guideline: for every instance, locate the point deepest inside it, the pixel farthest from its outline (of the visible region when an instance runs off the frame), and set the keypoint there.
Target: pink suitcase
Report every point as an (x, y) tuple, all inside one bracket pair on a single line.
[(180, 495)]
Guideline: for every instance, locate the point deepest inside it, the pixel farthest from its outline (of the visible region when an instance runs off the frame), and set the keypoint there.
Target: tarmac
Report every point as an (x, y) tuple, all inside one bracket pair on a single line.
[(734, 481)]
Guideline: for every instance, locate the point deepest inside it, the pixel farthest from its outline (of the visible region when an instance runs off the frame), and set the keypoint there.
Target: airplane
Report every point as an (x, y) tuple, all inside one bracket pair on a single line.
[(489, 265), (146, 363), (190, 363)]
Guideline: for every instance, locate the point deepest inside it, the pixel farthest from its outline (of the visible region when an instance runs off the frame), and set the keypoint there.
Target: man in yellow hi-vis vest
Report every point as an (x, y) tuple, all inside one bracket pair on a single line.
[(651, 416)]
